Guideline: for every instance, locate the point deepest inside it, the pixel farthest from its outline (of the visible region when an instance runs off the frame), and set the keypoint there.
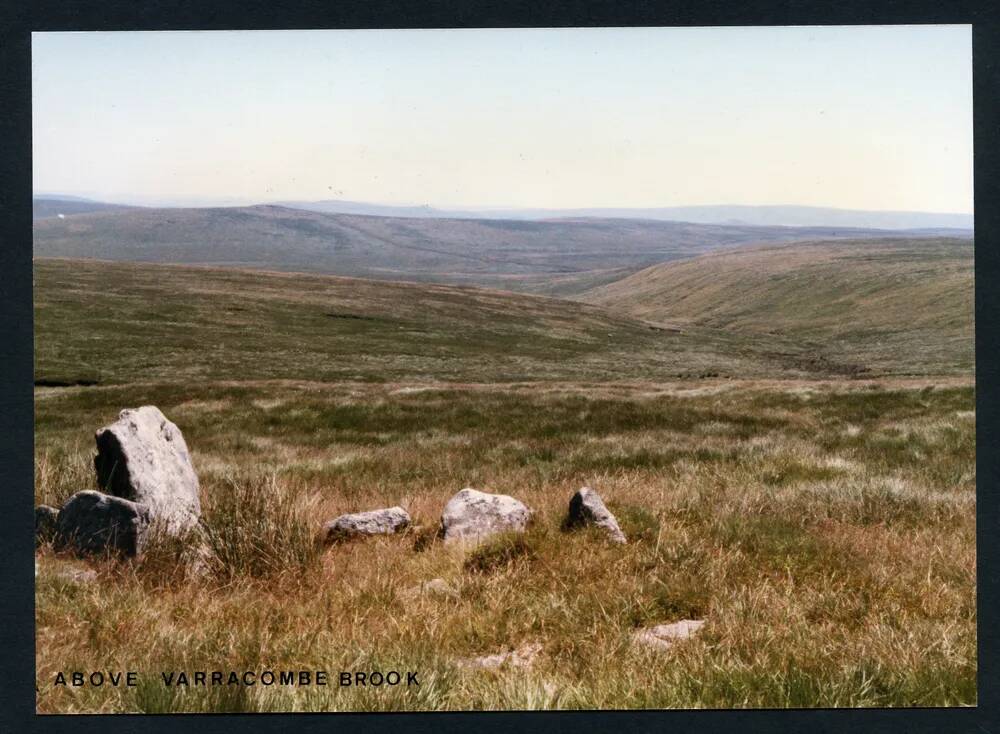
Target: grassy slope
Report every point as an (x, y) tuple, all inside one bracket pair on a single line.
[(118, 322), (555, 257), (826, 530), (906, 303)]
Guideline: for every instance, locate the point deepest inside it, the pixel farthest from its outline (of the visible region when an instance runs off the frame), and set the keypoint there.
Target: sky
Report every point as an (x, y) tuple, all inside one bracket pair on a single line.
[(863, 117)]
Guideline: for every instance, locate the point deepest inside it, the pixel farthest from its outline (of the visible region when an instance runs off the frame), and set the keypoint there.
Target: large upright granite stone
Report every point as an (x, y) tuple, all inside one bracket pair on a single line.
[(473, 515), (94, 522), (373, 522), (142, 457), (587, 508)]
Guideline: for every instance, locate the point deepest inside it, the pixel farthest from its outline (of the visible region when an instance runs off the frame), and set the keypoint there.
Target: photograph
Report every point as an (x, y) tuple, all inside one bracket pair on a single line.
[(506, 369)]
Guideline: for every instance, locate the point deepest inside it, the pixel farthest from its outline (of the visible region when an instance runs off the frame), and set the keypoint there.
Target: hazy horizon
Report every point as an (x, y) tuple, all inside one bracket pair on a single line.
[(222, 202), (871, 118)]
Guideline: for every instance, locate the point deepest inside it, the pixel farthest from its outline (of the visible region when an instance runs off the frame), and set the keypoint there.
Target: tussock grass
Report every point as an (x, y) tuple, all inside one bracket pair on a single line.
[(258, 526), (502, 551), (849, 582)]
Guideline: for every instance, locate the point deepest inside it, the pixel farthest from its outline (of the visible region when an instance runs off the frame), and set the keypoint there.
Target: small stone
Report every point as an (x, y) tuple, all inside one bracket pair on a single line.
[(199, 561), (374, 522), (77, 575), (473, 515), (587, 508), (663, 636), (523, 657), (46, 522), (93, 522), (434, 587)]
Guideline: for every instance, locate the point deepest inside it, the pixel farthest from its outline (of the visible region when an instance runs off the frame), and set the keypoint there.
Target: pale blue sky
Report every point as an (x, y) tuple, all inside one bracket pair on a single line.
[(856, 117)]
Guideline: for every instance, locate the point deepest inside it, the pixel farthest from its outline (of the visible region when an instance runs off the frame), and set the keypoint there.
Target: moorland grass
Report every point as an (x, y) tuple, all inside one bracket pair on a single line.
[(823, 527), (900, 304), (850, 582)]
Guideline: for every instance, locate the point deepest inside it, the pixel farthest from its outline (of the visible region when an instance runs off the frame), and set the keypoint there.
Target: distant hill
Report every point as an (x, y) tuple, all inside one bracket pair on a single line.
[(555, 257), (769, 216), (340, 206), (874, 302), (47, 208)]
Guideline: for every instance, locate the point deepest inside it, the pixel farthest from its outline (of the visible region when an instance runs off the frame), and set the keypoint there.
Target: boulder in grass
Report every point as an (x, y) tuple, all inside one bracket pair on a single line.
[(474, 515), (664, 636), (46, 521), (587, 508), (142, 457), (94, 522), (373, 522)]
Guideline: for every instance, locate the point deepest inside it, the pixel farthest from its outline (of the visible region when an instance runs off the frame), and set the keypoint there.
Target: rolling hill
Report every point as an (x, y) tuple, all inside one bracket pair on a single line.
[(56, 207), (766, 216), (561, 257), (113, 323), (900, 304)]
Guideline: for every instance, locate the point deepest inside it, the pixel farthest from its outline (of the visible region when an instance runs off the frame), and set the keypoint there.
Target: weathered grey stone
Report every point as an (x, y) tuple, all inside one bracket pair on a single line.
[(199, 561), (473, 515), (93, 522), (373, 522), (439, 587), (76, 575), (435, 587), (522, 657), (46, 520), (663, 636), (142, 457), (587, 508)]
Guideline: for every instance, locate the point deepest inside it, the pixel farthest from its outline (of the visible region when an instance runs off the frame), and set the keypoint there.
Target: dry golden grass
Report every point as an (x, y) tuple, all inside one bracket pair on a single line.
[(825, 531)]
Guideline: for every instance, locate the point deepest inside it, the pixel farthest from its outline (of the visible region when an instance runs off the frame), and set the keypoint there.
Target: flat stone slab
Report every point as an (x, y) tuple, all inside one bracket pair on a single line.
[(94, 522), (373, 522), (142, 457), (587, 508), (523, 657), (76, 575), (435, 587), (474, 515), (664, 636)]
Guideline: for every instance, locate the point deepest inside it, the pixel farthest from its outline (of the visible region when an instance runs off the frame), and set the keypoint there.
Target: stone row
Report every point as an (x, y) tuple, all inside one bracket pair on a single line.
[(144, 469)]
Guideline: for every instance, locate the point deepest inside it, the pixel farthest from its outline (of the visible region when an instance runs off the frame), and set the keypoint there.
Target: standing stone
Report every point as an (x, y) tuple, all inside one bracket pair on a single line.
[(93, 522), (472, 515), (587, 508), (142, 457), (46, 520), (374, 522)]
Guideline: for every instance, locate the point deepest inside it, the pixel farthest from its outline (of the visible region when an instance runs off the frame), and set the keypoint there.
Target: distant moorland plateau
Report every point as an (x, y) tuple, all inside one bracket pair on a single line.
[(555, 256)]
